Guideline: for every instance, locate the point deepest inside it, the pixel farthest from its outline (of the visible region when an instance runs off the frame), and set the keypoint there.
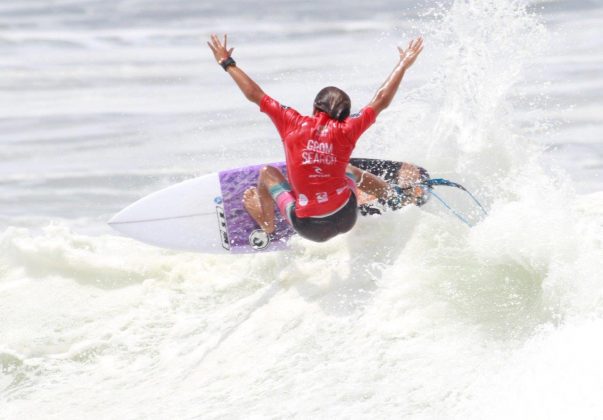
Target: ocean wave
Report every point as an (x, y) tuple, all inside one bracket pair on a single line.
[(411, 314)]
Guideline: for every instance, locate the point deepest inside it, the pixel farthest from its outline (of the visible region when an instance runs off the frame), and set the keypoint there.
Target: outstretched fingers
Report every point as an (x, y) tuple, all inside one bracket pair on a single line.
[(220, 51), (415, 44), (410, 54), (215, 41), (217, 45)]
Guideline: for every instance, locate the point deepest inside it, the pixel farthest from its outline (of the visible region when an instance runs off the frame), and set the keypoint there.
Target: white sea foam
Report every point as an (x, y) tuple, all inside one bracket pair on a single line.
[(411, 315)]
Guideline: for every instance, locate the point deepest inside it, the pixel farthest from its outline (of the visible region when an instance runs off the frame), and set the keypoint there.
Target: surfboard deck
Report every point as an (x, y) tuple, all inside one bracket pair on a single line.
[(206, 214)]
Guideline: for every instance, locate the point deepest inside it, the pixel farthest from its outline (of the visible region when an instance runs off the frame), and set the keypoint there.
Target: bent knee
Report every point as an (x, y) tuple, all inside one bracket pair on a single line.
[(270, 172), (270, 176)]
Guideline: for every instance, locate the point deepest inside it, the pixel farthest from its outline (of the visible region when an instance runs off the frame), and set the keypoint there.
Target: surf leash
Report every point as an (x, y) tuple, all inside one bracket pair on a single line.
[(430, 183)]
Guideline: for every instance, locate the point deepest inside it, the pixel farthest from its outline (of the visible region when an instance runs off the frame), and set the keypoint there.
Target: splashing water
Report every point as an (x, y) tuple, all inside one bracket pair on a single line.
[(411, 315)]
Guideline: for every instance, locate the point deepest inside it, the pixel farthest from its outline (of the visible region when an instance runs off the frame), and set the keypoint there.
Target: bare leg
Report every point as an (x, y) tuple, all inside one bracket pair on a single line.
[(370, 184), (409, 175), (258, 201), (408, 178)]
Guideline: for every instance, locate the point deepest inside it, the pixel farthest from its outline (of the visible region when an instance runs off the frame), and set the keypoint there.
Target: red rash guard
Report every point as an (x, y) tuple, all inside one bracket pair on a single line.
[(317, 150)]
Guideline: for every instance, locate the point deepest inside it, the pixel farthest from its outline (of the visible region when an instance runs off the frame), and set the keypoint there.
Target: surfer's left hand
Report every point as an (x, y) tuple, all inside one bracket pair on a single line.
[(221, 51), (409, 55)]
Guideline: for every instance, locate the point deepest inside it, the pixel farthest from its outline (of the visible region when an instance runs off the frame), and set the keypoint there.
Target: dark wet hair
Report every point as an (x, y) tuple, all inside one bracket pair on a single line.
[(333, 101)]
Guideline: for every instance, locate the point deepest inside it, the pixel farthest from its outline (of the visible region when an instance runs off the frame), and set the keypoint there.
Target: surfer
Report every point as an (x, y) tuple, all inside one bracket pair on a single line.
[(318, 196)]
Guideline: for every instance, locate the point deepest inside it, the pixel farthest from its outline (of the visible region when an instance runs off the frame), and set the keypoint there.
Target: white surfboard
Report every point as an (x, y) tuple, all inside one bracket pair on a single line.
[(187, 216), (206, 214)]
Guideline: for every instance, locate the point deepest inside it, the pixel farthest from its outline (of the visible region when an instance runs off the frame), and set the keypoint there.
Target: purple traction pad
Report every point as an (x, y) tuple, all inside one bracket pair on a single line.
[(239, 225)]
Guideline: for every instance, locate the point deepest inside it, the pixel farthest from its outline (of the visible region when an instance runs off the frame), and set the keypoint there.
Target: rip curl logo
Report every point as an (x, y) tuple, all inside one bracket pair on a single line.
[(318, 173), (356, 115), (258, 239), (285, 107)]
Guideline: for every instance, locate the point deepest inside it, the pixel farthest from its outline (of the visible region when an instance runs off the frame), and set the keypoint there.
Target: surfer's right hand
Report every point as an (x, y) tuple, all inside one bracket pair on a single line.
[(409, 55), (220, 50)]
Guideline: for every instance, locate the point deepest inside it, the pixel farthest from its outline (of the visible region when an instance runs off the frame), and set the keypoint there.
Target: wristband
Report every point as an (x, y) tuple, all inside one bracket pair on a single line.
[(227, 62)]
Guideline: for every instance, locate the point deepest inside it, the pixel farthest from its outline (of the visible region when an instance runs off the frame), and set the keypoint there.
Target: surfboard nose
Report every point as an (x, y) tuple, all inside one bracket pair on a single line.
[(114, 219), (182, 217)]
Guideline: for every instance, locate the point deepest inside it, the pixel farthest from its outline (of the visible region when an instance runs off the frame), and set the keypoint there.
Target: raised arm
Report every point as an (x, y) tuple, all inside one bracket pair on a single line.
[(388, 90), (250, 89)]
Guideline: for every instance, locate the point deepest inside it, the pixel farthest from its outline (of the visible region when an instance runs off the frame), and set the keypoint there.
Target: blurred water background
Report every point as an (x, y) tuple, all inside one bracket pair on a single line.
[(412, 315)]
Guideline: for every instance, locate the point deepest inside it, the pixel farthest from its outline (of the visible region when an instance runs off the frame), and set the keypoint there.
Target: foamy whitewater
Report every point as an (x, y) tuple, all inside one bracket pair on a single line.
[(411, 315)]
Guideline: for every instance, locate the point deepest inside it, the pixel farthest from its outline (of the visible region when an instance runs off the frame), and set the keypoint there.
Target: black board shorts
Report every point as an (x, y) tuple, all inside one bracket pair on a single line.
[(321, 229)]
